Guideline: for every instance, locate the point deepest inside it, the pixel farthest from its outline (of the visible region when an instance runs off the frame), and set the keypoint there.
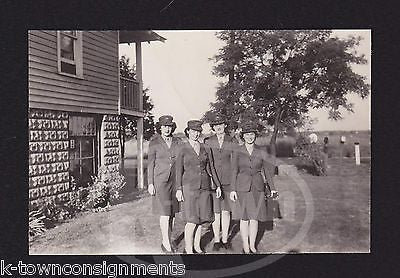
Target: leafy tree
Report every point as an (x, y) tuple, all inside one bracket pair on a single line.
[(128, 124), (277, 76)]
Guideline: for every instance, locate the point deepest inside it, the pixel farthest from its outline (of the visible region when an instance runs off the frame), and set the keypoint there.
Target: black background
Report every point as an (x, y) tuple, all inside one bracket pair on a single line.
[(17, 17)]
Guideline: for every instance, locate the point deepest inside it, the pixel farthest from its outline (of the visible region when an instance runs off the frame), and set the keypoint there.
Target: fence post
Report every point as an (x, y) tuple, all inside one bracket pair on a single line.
[(357, 152)]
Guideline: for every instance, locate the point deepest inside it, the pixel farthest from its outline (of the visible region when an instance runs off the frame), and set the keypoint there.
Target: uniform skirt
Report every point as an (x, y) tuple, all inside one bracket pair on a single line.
[(197, 206), (250, 206), (224, 202), (164, 201)]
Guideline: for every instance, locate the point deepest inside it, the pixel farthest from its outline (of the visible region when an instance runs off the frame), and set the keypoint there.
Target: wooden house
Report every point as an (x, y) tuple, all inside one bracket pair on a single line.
[(76, 99)]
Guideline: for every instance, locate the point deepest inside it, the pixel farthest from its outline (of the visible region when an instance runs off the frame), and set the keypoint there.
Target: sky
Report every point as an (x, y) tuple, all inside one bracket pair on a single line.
[(179, 75)]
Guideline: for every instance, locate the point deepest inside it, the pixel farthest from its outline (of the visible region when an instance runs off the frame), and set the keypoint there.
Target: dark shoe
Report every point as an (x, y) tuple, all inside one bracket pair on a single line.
[(217, 246), (227, 245), (165, 249)]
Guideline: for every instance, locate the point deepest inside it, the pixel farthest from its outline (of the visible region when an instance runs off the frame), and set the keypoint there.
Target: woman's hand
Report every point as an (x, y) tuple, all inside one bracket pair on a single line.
[(151, 189), (233, 196), (218, 192), (179, 195), (274, 194)]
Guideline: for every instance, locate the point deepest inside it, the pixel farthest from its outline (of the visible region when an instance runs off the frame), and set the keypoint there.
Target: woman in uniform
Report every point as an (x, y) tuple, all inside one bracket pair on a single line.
[(221, 146), (163, 150), (249, 163), (194, 169)]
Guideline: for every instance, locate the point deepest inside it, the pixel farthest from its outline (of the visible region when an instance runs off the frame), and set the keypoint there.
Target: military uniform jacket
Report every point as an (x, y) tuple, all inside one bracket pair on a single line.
[(248, 170), (161, 160), (194, 171), (222, 156)]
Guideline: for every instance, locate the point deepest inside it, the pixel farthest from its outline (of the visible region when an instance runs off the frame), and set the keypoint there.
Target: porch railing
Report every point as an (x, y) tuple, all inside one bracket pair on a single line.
[(129, 94)]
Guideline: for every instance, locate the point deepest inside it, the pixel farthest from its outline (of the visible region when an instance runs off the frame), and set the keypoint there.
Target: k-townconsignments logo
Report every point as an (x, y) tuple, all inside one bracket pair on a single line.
[(103, 269)]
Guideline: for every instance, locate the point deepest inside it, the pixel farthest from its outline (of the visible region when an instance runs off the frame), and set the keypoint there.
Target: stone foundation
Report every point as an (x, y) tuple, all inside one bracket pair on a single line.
[(48, 155)]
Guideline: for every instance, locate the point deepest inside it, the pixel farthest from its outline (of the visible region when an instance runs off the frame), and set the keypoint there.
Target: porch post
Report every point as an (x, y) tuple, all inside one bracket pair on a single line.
[(140, 119)]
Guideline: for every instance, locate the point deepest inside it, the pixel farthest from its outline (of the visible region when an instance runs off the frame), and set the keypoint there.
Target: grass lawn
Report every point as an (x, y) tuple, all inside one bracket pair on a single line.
[(341, 220)]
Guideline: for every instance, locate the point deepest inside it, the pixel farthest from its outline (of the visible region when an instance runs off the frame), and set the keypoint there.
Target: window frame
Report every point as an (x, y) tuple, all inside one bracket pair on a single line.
[(95, 142), (77, 48)]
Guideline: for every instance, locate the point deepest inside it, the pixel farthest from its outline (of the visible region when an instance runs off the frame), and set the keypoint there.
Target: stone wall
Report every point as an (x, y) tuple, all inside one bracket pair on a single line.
[(48, 155), (110, 142)]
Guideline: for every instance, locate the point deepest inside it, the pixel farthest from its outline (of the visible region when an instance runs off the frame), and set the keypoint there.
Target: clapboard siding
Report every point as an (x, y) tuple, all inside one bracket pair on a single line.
[(70, 108), (98, 48), (97, 92), (73, 102), (100, 39), (45, 87), (102, 72), (93, 73), (40, 55), (49, 48), (43, 91), (44, 39), (37, 74), (107, 61)]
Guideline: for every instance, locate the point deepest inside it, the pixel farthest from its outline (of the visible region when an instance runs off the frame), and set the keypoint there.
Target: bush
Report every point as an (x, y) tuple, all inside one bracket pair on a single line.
[(36, 224), (311, 153), (54, 211), (105, 189), (58, 211)]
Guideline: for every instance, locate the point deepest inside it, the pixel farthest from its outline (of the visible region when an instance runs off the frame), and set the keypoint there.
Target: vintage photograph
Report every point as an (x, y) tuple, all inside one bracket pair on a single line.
[(199, 141)]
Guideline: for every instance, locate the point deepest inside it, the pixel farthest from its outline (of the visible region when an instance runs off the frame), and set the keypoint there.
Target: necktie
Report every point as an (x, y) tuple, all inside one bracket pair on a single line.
[(220, 141), (168, 140)]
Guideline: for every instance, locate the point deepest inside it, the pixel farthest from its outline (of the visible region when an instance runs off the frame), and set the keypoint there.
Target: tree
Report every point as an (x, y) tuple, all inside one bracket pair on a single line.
[(129, 125), (278, 76)]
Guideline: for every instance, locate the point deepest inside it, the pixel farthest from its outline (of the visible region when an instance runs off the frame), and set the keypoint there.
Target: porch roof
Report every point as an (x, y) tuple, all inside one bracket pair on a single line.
[(126, 36)]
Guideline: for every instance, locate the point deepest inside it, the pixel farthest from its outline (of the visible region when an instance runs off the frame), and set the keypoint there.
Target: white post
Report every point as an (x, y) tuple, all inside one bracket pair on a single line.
[(357, 152), (140, 119)]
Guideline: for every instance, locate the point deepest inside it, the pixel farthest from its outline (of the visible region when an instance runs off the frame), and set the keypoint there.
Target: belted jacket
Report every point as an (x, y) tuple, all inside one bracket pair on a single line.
[(249, 171), (161, 160), (195, 171), (222, 156)]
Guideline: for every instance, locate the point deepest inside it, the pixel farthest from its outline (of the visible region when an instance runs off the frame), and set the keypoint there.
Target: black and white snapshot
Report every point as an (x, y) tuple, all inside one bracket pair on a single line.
[(199, 142)]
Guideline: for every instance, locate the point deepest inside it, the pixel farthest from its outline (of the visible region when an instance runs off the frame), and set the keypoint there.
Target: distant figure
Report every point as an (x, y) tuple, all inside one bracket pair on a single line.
[(342, 141), (313, 138), (325, 151), (326, 141)]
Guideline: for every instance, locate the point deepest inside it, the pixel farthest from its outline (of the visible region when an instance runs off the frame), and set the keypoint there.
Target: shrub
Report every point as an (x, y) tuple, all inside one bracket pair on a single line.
[(56, 211), (311, 153), (105, 189), (36, 224)]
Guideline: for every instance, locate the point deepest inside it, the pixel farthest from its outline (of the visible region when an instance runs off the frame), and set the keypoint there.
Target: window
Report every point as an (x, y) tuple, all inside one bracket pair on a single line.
[(82, 153), (69, 52)]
